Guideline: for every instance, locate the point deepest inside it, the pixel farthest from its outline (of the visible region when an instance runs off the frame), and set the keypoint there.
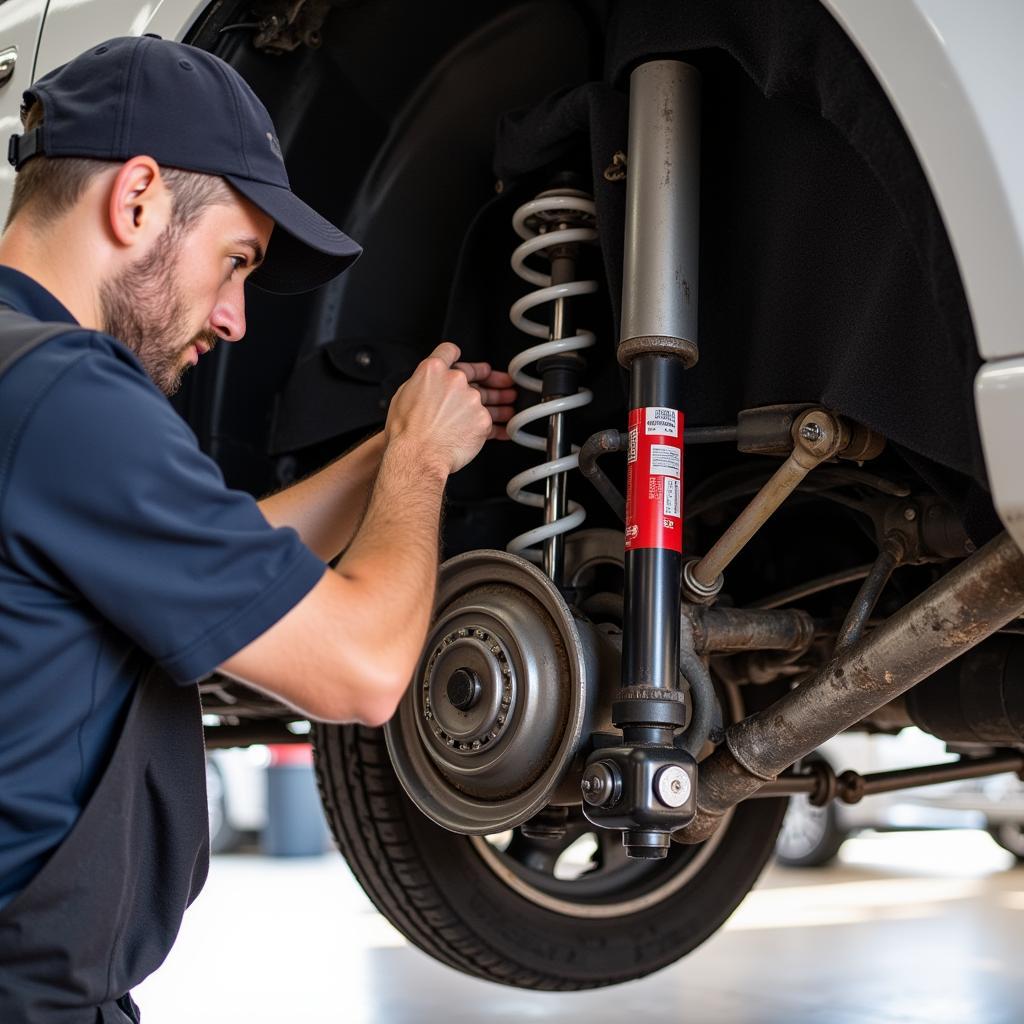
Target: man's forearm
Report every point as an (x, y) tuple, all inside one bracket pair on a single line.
[(327, 507), (393, 559)]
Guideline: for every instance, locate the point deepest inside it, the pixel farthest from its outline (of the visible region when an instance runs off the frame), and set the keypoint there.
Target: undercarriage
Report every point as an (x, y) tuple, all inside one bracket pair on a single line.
[(625, 675)]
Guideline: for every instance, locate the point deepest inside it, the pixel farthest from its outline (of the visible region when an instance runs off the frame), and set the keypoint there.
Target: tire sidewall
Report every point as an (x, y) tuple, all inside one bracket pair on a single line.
[(600, 950)]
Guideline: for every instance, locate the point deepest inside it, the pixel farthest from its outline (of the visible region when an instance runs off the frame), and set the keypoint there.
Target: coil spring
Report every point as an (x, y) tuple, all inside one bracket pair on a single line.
[(559, 208)]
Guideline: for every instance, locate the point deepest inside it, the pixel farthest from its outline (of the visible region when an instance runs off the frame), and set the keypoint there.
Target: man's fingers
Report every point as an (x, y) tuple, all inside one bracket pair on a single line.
[(476, 373), (498, 433), (498, 379), (448, 352), (482, 374), (501, 413), (496, 396)]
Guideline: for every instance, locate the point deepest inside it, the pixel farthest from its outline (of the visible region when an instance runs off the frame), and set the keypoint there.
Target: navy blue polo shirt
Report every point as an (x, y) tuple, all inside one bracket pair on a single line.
[(119, 543)]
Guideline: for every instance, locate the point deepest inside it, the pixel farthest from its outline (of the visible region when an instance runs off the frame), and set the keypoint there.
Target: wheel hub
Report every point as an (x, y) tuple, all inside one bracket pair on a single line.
[(498, 706), (468, 690)]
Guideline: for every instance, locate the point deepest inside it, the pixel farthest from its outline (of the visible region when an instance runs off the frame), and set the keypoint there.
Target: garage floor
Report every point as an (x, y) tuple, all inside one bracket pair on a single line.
[(917, 927)]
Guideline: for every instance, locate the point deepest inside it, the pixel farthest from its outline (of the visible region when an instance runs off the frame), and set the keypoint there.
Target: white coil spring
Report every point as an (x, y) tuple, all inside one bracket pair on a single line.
[(526, 544)]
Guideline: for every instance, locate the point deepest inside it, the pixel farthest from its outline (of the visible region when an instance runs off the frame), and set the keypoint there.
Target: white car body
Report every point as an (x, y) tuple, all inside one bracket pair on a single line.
[(951, 71)]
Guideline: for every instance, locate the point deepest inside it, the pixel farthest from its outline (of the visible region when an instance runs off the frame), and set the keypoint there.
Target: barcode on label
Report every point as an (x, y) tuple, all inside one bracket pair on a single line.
[(665, 460), (671, 505), (632, 444), (659, 420)]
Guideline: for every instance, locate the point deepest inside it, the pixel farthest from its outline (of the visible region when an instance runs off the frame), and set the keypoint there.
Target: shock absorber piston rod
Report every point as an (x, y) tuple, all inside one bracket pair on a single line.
[(646, 787), (559, 374)]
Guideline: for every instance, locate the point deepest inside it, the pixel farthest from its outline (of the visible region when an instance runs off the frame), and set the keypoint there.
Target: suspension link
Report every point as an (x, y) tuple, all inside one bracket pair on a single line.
[(821, 785), (817, 436)]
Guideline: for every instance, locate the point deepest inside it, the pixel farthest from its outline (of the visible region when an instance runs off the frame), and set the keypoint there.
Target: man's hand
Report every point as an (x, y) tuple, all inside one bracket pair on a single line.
[(449, 409), (497, 392)]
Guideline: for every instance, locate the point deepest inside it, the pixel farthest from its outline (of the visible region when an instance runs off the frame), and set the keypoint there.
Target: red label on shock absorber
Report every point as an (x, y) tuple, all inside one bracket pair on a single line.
[(654, 484)]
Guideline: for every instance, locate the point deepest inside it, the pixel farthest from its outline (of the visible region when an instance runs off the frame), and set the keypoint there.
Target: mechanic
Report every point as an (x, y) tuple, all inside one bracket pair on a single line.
[(149, 182)]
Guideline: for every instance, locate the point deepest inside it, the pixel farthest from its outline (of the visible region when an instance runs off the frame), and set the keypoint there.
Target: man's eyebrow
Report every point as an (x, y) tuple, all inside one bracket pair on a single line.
[(254, 244)]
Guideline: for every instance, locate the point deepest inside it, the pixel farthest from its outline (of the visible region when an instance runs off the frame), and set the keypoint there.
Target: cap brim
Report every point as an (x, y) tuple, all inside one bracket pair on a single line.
[(305, 250)]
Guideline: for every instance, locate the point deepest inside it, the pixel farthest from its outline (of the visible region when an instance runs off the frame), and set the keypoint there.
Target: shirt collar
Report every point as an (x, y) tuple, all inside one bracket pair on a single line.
[(22, 293)]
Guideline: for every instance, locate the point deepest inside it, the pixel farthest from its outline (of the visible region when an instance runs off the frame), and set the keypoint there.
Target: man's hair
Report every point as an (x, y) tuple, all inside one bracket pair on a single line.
[(47, 187)]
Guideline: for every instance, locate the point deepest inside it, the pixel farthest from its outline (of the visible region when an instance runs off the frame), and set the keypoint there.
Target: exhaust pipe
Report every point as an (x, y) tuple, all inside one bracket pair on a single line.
[(968, 604)]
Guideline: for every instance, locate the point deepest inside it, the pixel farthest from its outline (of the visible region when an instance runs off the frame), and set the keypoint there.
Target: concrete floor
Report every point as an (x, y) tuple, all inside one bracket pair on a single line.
[(917, 927)]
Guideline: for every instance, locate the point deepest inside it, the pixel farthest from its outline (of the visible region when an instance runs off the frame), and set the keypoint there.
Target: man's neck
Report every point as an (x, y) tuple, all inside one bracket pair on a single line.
[(63, 269)]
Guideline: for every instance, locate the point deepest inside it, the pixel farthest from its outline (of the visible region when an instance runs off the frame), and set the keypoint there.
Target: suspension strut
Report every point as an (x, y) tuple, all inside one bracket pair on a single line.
[(645, 786), (554, 226)]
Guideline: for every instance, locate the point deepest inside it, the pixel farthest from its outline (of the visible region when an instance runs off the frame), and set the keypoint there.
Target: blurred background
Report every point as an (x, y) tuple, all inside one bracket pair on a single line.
[(904, 908)]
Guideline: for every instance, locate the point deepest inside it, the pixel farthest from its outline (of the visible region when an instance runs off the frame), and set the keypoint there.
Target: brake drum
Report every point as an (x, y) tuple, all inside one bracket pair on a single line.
[(502, 699)]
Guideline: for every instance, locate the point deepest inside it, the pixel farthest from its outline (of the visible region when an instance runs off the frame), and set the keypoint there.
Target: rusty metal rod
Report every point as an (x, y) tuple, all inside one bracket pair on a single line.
[(968, 604), (867, 597), (729, 630), (817, 436), (815, 586), (602, 443), (851, 787)]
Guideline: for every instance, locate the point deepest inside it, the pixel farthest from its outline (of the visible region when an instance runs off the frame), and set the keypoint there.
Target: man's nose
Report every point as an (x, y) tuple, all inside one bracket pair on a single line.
[(228, 317)]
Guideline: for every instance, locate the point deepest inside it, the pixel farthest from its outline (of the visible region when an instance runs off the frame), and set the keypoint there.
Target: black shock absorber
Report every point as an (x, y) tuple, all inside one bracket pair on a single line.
[(646, 786)]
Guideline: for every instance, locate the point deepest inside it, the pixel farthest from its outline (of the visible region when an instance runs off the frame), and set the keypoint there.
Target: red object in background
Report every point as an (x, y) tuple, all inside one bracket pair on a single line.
[(290, 754), (654, 485)]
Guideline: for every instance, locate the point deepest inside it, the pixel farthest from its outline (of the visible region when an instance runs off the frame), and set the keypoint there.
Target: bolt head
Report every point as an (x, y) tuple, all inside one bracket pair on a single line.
[(672, 786), (600, 784), (910, 513), (811, 432)]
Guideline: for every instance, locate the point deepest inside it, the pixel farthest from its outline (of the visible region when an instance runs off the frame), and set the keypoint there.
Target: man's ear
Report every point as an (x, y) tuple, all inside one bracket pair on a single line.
[(139, 206)]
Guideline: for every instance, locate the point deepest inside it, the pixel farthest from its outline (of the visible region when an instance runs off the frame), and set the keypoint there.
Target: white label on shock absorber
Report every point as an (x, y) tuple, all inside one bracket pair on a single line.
[(671, 505), (665, 460), (659, 420), (633, 439)]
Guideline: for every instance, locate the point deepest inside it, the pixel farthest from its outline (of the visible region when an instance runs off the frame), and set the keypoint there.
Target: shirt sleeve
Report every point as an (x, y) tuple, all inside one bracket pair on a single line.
[(109, 499)]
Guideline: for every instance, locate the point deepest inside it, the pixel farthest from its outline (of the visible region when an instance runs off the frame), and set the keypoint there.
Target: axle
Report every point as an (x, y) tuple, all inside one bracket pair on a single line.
[(968, 604)]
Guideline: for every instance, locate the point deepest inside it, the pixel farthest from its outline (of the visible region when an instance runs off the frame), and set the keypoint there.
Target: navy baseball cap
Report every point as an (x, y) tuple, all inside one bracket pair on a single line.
[(186, 108)]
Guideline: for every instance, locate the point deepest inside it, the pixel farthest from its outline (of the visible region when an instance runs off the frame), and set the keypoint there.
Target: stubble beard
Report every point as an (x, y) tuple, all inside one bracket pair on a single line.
[(144, 308)]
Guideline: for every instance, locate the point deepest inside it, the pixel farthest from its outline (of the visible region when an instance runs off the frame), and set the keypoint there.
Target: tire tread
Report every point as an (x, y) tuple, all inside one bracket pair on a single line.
[(366, 811)]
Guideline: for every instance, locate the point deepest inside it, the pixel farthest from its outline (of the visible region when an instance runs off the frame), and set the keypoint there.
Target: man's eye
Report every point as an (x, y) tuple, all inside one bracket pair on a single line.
[(238, 262)]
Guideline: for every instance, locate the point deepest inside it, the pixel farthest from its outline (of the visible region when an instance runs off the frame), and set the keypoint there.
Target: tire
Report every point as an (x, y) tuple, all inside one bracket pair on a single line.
[(497, 912), (1010, 836), (810, 836)]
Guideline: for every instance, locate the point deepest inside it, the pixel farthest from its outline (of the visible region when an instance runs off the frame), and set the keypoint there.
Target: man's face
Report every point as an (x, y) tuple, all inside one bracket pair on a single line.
[(175, 303)]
